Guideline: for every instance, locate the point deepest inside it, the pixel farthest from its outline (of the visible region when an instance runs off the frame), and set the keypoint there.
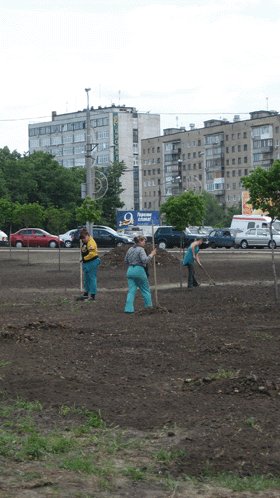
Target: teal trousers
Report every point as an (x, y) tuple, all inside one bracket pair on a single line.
[(137, 277)]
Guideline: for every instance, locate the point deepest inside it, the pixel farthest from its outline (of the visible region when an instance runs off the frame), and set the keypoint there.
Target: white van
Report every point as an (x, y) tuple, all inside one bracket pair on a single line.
[(245, 221)]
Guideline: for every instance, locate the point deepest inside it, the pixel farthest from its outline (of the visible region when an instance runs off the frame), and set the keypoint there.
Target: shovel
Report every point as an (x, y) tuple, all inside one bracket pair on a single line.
[(207, 274), (155, 273)]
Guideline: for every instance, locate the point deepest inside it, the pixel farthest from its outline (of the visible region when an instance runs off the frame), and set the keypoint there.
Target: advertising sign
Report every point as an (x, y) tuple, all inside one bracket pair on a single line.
[(116, 136), (136, 218), (247, 208)]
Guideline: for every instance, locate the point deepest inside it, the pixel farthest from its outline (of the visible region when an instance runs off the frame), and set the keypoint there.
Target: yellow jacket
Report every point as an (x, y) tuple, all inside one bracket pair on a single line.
[(89, 250)]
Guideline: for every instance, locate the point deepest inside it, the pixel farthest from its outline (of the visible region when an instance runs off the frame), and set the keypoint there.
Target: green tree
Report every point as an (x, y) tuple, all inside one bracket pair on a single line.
[(186, 210), (88, 212), (38, 177), (111, 200), (264, 189)]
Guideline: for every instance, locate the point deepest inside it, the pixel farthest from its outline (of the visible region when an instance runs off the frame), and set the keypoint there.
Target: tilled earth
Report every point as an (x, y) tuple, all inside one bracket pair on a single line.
[(202, 362)]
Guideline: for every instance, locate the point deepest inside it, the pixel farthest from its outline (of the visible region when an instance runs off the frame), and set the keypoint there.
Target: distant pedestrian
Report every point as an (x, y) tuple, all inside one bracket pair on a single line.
[(190, 257), (91, 262), (137, 260)]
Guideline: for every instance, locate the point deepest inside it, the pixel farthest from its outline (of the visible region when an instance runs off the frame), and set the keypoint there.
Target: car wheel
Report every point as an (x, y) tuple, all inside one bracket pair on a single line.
[(119, 244), (19, 244), (52, 244), (227, 247), (244, 244), (213, 245), (68, 243), (272, 243), (162, 244)]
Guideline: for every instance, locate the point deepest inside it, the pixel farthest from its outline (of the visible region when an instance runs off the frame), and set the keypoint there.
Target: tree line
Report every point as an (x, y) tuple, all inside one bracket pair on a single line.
[(36, 190)]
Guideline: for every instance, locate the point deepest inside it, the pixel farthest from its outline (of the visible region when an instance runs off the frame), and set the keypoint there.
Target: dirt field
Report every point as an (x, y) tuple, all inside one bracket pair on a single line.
[(204, 367)]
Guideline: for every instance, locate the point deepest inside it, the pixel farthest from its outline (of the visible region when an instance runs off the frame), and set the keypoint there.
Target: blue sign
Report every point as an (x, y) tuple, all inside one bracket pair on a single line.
[(136, 218)]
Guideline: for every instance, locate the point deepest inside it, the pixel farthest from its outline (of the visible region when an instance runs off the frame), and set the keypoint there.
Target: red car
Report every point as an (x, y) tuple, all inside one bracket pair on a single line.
[(36, 237)]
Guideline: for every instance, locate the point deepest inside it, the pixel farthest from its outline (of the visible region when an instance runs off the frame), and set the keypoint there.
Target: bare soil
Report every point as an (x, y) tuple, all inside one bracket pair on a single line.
[(203, 364)]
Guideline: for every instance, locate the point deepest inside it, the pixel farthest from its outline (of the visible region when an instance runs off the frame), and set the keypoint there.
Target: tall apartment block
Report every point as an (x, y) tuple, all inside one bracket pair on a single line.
[(213, 158), (116, 134)]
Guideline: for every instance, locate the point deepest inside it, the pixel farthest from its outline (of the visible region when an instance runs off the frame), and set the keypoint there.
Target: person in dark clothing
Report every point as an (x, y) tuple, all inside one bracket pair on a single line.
[(190, 257)]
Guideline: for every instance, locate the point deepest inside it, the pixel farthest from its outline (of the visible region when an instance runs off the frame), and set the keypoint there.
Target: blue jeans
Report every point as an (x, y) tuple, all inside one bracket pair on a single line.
[(90, 275), (137, 277), (191, 278)]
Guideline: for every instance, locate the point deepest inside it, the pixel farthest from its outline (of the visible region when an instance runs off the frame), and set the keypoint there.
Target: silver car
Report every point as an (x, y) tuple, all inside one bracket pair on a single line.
[(257, 237)]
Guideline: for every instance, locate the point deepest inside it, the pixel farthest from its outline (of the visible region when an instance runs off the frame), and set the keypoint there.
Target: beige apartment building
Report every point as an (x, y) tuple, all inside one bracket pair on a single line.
[(213, 158), (115, 135)]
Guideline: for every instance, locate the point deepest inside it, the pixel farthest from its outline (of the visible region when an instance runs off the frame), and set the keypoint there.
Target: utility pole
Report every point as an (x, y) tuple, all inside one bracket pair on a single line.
[(90, 176)]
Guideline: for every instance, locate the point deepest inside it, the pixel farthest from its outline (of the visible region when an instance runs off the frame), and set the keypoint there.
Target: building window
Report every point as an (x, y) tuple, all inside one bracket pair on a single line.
[(239, 148), (227, 162), (238, 135), (234, 198), (67, 151), (239, 172), (277, 129), (145, 172), (158, 171), (233, 173), (233, 136), (239, 160), (233, 161), (78, 150), (245, 172), (234, 186), (158, 149), (199, 166), (226, 137), (45, 142), (80, 137), (56, 140), (34, 143), (227, 150), (233, 149), (158, 160), (228, 174), (135, 148), (245, 134), (228, 198), (245, 159), (228, 186)]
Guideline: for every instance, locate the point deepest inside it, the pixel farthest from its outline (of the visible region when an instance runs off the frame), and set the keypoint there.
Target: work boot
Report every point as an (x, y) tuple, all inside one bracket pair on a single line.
[(91, 298)]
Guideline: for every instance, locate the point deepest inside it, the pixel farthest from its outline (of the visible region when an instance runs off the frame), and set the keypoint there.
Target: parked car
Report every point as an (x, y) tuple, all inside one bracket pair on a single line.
[(36, 237), (67, 238), (3, 239), (221, 238), (104, 237), (257, 237), (168, 237)]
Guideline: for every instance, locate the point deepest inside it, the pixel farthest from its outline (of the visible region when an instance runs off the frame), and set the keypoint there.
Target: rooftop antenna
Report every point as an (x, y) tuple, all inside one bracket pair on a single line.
[(267, 103), (177, 121)]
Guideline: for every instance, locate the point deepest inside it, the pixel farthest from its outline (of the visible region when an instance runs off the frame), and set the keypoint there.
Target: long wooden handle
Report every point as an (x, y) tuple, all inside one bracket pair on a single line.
[(155, 271), (81, 269)]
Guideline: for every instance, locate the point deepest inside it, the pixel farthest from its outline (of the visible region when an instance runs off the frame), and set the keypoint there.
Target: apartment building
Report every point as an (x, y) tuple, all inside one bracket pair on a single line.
[(116, 134), (212, 158)]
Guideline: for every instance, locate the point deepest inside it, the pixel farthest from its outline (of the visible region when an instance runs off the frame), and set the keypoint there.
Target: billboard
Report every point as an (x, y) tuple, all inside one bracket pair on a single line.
[(247, 208), (136, 218)]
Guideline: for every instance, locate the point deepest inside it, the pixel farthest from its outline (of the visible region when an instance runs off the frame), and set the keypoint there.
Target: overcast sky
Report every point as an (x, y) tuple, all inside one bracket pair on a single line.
[(187, 60)]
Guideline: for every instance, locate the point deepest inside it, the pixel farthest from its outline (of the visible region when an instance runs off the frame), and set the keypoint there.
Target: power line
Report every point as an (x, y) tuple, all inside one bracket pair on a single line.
[(163, 113)]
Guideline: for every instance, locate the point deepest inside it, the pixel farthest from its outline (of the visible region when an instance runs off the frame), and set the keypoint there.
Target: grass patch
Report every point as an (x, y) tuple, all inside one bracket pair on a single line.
[(248, 483), (38, 438)]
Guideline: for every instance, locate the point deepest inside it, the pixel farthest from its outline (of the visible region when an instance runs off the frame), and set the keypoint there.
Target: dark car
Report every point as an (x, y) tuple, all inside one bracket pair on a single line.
[(221, 238), (35, 237), (103, 237), (168, 237)]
